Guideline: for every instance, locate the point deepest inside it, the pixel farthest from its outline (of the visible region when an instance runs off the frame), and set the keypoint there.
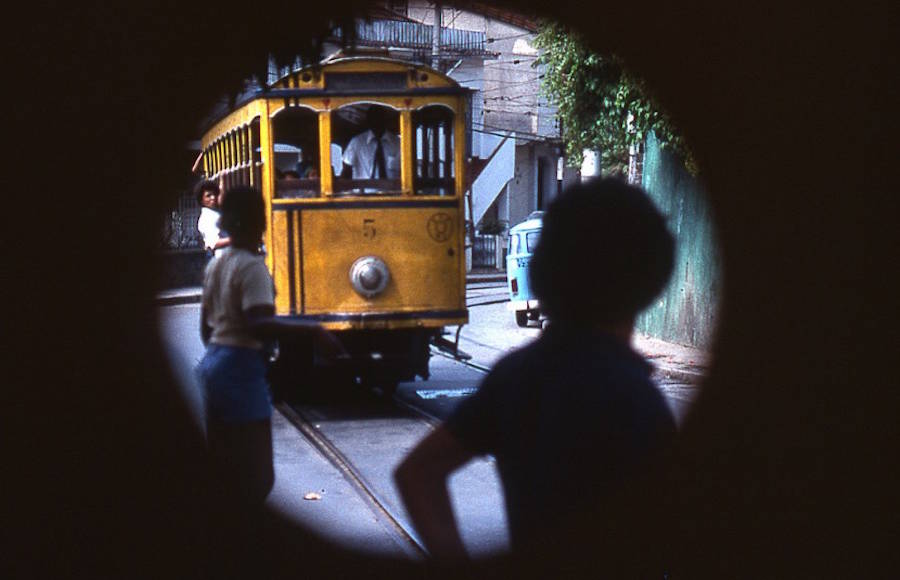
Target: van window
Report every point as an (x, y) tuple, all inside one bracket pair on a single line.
[(531, 240), (513, 244)]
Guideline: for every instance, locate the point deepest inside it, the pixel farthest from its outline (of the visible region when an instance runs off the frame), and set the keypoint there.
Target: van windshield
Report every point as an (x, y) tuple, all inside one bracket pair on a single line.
[(531, 240)]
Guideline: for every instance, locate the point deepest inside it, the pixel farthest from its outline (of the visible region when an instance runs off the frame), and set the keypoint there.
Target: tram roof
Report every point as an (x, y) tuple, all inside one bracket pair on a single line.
[(338, 63), (364, 76)]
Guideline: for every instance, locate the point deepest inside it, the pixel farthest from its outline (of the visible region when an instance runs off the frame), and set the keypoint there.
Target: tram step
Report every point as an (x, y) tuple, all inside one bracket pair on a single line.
[(450, 348)]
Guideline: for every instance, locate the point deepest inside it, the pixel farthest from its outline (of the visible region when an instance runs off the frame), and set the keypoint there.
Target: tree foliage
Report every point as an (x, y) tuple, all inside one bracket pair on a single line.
[(600, 104)]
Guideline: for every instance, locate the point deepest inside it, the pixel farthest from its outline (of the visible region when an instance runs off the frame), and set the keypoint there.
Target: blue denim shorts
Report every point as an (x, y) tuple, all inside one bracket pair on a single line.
[(234, 384)]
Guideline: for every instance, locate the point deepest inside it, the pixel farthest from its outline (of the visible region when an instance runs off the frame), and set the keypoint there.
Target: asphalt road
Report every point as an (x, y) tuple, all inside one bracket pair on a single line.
[(371, 433), (375, 435)]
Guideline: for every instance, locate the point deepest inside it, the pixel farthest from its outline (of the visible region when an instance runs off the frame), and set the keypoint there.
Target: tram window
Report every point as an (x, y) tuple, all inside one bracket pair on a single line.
[(296, 135), (433, 145), (369, 140)]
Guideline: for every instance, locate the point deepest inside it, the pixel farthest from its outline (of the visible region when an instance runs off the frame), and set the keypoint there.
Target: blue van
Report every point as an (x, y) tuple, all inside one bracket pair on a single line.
[(522, 240)]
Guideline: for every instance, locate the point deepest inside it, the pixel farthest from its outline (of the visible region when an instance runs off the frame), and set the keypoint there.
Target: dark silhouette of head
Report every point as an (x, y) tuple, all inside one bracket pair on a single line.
[(376, 119), (243, 216), (604, 254)]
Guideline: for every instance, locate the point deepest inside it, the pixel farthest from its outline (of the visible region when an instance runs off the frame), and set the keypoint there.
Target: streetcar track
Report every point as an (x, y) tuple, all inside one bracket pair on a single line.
[(386, 516), (476, 366), (430, 419), (334, 456), (487, 303)]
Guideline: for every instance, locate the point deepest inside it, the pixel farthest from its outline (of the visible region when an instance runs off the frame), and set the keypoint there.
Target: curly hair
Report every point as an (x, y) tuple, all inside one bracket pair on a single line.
[(203, 187), (604, 254)]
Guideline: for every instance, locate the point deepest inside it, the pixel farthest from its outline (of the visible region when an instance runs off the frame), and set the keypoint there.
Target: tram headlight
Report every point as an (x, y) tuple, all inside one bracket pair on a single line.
[(369, 276)]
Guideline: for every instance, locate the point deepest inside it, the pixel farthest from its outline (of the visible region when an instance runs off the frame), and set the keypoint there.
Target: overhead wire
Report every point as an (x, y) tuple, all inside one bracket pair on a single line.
[(537, 76), (500, 38), (524, 135)]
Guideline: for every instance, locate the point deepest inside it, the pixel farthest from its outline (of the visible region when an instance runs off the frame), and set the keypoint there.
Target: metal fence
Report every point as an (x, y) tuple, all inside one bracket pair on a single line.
[(416, 35), (484, 252), (179, 228)]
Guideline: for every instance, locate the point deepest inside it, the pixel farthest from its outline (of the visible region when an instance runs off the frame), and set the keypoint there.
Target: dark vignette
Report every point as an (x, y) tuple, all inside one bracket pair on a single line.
[(785, 466)]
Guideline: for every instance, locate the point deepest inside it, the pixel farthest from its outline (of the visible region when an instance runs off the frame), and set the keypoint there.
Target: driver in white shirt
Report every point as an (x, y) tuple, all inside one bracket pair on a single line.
[(374, 153)]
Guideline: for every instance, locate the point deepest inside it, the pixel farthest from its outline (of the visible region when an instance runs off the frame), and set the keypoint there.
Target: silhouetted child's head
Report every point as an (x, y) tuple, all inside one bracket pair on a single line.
[(243, 215), (604, 254)]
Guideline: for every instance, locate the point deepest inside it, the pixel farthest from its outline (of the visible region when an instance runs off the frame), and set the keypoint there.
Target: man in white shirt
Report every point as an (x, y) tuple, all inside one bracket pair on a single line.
[(374, 153)]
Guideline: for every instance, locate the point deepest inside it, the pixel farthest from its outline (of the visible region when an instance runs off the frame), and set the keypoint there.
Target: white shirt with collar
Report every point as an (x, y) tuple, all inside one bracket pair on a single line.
[(360, 155), (208, 225)]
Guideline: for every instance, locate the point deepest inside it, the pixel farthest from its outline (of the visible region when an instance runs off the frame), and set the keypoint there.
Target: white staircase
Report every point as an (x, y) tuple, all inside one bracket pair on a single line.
[(493, 177)]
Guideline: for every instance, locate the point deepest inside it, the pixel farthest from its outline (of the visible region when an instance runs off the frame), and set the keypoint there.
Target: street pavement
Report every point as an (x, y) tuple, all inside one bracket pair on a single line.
[(338, 513)]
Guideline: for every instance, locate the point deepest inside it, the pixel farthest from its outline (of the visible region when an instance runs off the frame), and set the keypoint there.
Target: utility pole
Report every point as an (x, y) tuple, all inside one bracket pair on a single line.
[(436, 36)]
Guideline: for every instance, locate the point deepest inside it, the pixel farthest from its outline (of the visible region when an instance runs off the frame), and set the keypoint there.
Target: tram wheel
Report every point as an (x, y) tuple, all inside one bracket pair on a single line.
[(522, 318)]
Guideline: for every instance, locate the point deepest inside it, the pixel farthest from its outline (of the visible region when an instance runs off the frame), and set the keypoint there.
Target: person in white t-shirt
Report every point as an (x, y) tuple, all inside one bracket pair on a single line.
[(214, 239), (374, 153), (237, 316)]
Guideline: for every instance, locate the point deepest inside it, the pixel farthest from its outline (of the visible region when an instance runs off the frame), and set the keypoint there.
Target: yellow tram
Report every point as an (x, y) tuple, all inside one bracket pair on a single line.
[(370, 246)]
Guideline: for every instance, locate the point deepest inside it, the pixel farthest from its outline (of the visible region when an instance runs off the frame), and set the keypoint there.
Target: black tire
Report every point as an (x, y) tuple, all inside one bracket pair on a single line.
[(522, 318)]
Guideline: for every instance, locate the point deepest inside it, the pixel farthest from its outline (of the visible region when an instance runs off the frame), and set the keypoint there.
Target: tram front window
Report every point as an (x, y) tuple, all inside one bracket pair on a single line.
[(369, 138)]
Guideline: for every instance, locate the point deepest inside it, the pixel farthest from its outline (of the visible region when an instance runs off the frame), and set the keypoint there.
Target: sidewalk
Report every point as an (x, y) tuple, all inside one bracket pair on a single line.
[(675, 362)]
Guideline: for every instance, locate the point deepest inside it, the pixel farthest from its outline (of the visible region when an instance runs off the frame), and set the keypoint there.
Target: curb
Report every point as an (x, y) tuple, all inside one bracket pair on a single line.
[(178, 299)]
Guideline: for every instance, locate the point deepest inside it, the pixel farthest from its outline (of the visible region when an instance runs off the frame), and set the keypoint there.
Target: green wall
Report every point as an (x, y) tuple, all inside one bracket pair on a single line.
[(686, 311)]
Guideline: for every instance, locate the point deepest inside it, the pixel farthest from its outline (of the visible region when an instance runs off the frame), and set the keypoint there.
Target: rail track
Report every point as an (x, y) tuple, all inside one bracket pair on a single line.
[(485, 293), (392, 521), (303, 419)]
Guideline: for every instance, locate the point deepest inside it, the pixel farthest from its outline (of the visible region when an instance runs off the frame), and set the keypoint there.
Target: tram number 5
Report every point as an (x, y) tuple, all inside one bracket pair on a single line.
[(368, 228)]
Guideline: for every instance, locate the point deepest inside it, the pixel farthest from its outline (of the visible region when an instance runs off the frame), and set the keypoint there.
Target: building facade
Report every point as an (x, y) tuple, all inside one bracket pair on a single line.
[(508, 110)]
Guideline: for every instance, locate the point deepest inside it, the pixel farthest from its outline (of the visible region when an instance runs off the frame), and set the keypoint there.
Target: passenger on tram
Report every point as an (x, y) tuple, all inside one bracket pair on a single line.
[(214, 239), (374, 153), (307, 167), (572, 417)]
